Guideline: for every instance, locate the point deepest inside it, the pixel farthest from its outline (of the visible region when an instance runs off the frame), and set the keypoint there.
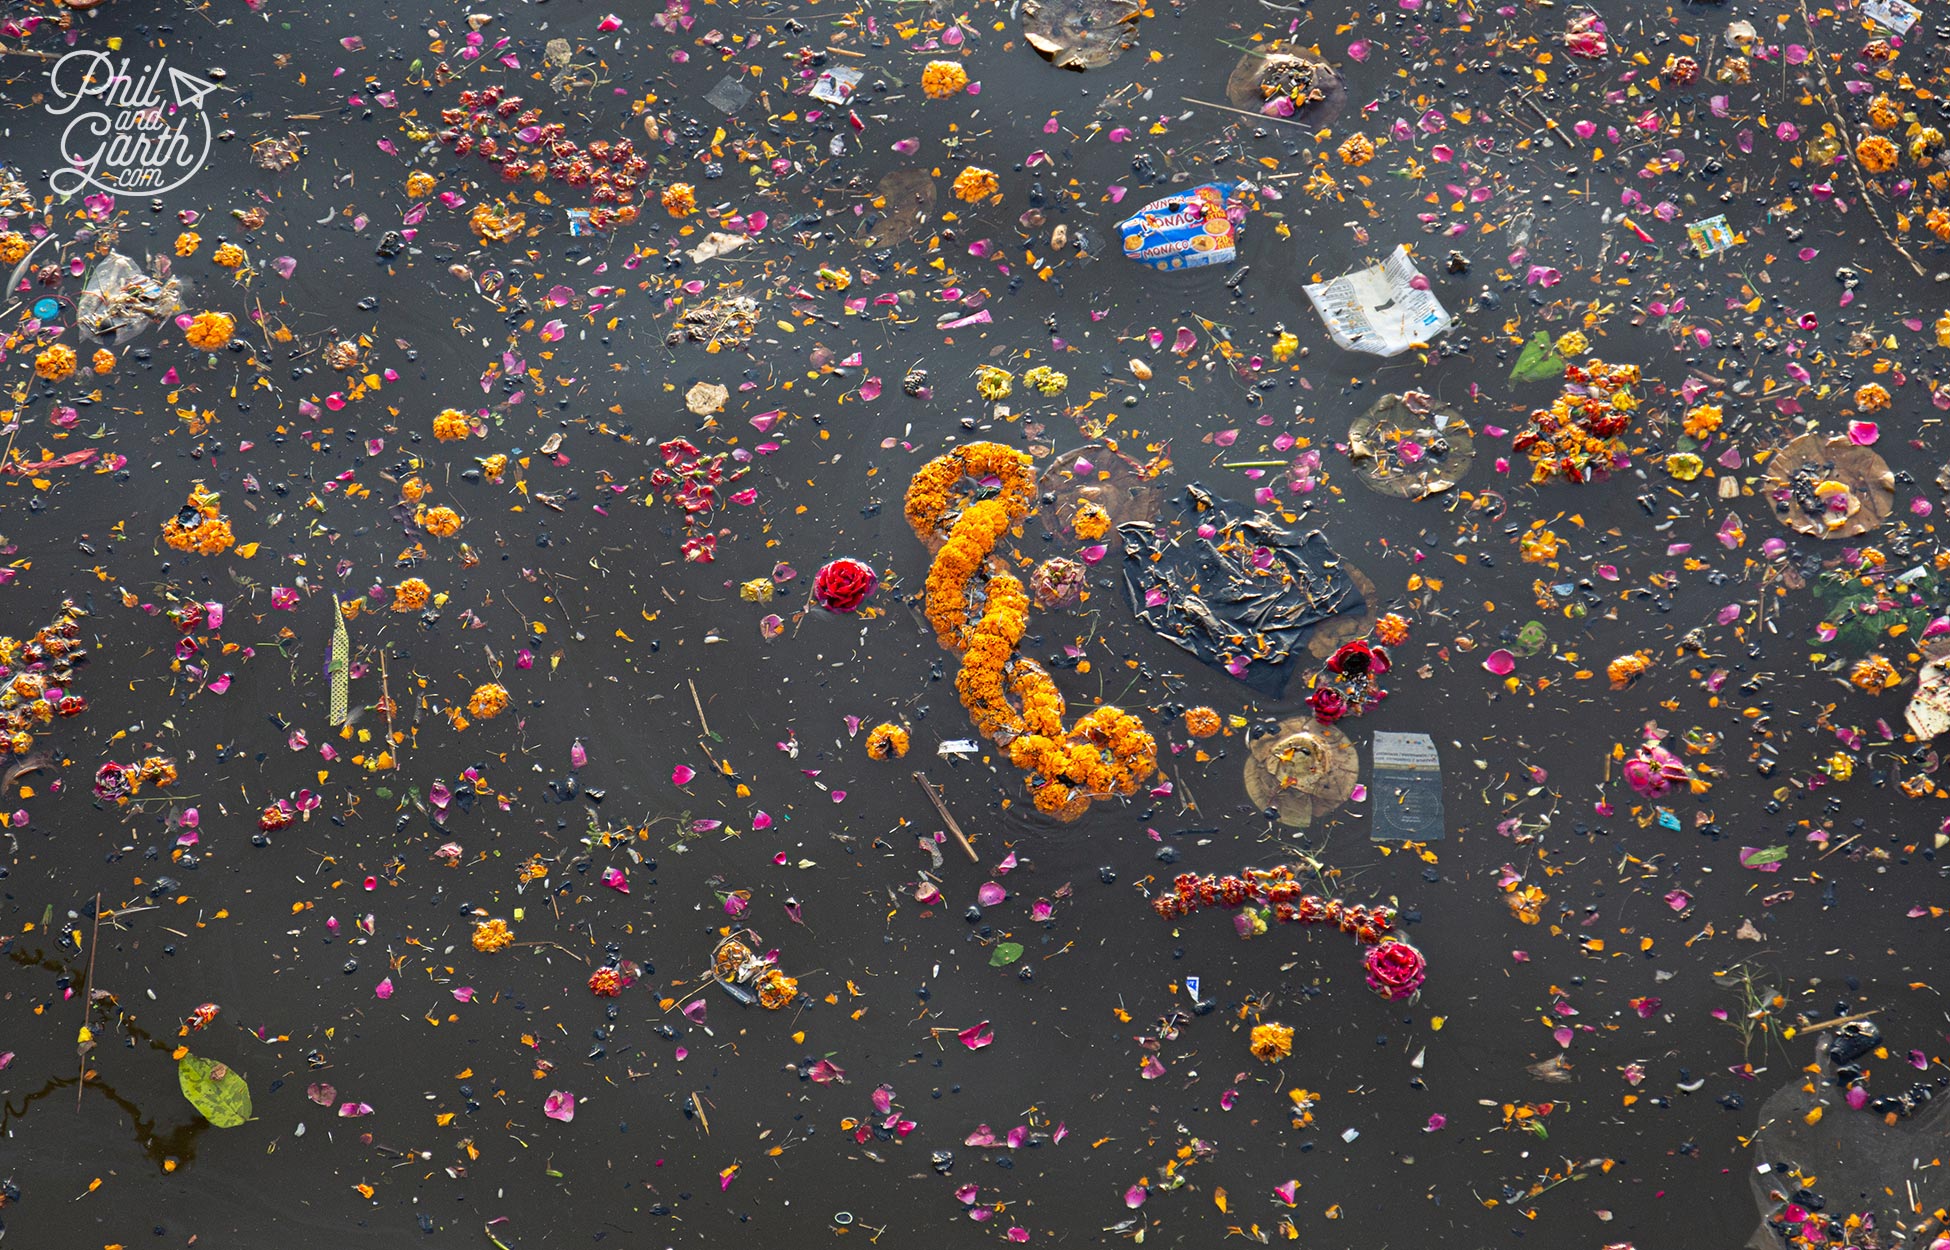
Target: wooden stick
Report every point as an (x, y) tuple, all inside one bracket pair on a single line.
[(1838, 1020), (698, 703), (928, 788), (87, 996), (386, 697)]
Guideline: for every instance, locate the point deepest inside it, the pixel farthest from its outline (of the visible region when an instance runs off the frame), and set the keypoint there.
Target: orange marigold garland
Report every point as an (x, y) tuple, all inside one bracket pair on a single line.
[(1012, 700)]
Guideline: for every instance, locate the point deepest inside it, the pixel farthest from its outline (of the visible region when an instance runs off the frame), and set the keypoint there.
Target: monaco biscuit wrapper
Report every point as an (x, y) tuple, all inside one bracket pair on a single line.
[(1189, 230)]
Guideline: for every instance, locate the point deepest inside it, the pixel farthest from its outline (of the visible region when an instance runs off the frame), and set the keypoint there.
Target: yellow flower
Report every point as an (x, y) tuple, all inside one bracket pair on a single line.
[(775, 989), (942, 79), (492, 467), (1685, 466), (230, 256), (495, 224), (886, 742), (55, 363), (975, 184), (187, 243), (1703, 420), (210, 331), (493, 935), (1538, 546), (414, 489), (1938, 221), (419, 183), (1871, 397), (1877, 154), (1573, 343), (14, 247), (1272, 1042), (993, 383), (1285, 345), (679, 199), (1883, 113), (1840, 767), (450, 425), (488, 701), (1358, 149), (1045, 379)]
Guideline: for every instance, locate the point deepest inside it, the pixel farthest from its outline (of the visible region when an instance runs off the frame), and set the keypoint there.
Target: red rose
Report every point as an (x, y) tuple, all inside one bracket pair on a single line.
[(1329, 704), (843, 585), (1353, 658), (1395, 969)]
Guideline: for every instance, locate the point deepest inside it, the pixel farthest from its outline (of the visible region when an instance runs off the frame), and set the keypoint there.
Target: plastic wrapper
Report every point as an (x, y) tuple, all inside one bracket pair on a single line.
[(1190, 230), (121, 301)]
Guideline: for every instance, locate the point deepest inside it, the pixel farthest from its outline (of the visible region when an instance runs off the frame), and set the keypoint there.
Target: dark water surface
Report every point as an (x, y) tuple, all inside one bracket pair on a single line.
[(291, 938)]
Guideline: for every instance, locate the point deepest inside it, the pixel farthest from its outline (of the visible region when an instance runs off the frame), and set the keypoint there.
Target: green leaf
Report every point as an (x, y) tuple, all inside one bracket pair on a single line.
[(1532, 638), (1538, 361), (1005, 954), (216, 1091)]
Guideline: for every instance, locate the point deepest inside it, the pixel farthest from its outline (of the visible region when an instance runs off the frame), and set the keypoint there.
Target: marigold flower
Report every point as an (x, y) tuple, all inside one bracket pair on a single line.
[(1884, 113), (103, 361), (1627, 669), (975, 184), (187, 243), (451, 425), (1572, 343), (419, 183), (493, 935), (1356, 149), (1272, 1042), (1703, 420), (488, 701), (1392, 629), (776, 990), (1938, 221), (414, 489), (55, 363), (606, 983), (1091, 521), (492, 467), (1201, 722), (439, 520), (1874, 674), (886, 742), (411, 595), (14, 247), (1871, 397), (210, 331), (1285, 345), (1877, 154), (229, 255), (679, 199), (942, 79)]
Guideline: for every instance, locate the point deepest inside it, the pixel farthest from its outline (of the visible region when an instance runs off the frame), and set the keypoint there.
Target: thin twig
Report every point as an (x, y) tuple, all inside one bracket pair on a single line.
[(699, 705), (1837, 1021)]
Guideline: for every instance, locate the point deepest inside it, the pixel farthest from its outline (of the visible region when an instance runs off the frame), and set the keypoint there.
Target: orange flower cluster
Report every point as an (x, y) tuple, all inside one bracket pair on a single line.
[(1012, 700), (1872, 397), (450, 424), (1877, 154), (201, 526), (493, 935), (975, 184), (679, 199), (942, 79), (210, 331), (1091, 522), (1201, 722), (887, 741), (488, 701), (1627, 669), (1356, 150), (55, 363), (1578, 435), (1392, 629), (410, 595), (440, 521)]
